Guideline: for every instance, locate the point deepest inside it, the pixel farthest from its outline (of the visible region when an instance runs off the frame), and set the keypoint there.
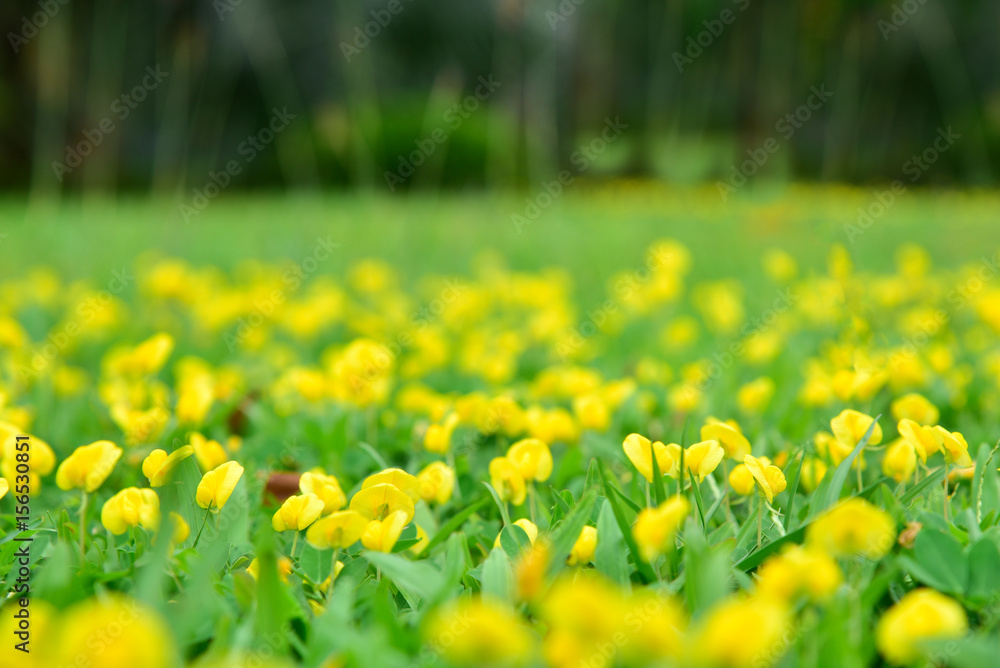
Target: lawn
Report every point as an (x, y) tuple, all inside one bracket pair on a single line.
[(643, 427)]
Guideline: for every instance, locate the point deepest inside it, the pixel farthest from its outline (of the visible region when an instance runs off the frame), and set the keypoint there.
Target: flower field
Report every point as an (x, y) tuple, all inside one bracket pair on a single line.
[(645, 429)]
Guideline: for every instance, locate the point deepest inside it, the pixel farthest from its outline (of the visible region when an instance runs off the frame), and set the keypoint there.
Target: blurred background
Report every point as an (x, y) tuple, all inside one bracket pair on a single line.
[(167, 96)]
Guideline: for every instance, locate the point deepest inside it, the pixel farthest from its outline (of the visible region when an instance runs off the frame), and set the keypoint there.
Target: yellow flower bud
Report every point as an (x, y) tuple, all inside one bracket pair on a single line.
[(209, 453), (640, 452), (381, 535), (703, 458), (529, 527), (853, 528), (584, 547), (850, 426), (916, 408), (925, 440), (900, 460), (297, 513), (956, 450), (532, 458), (341, 529), (921, 615), (654, 528), (89, 466), (158, 464), (218, 484), (770, 479), (728, 435), (507, 480), (326, 487), (131, 507), (437, 482), (438, 436)]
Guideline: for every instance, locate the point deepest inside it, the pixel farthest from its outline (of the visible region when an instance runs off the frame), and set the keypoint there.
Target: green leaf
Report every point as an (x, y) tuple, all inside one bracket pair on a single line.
[(451, 525), (932, 478), (568, 531), (420, 579), (984, 570), (498, 578), (610, 557), (659, 493), (644, 569), (514, 540), (500, 504), (696, 491), (982, 461), (755, 558), (706, 570), (940, 557), (793, 487)]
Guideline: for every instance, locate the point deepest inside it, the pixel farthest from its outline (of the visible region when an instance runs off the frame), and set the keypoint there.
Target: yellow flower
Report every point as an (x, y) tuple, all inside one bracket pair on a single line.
[(921, 615), (741, 480), (813, 471), (297, 513), (149, 356), (113, 632), (216, 485), (181, 528), (900, 460), (131, 507), (507, 480), (4, 487), (379, 501), (477, 632), (437, 482), (40, 458), (88, 467), (158, 464), (853, 528), (850, 426), (209, 453), (529, 527), (591, 411), (438, 436), (585, 614), (915, 407), (326, 488), (640, 452), (398, 478), (799, 570), (703, 458), (953, 444), (381, 535), (285, 566), (828, 446), (925, 440), (532, 458), (770, 479), (341, 529), (654, 626), (728, 435), (741, 632), (654, 528), (754, 397), (584, 547)]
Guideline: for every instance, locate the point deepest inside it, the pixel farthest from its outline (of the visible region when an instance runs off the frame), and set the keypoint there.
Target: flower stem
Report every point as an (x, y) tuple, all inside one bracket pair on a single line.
[(760, 518), (198, 537), (295, 542), (83, 527), (945, 489)]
